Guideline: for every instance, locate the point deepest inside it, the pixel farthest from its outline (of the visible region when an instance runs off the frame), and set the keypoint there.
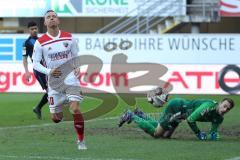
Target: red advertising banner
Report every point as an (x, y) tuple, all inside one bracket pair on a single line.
[(186, 79)]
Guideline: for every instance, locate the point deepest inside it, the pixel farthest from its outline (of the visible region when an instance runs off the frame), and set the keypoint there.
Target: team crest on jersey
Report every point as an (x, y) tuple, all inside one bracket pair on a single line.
[(65, 44)]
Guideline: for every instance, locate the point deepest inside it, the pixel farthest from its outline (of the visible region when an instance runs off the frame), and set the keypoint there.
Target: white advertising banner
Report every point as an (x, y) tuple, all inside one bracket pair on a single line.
[(163, 49), (230, 8), (92, 8), (186, 79)]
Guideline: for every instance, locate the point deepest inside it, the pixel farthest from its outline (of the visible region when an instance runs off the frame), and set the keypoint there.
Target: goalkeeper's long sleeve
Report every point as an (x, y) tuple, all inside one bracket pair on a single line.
[(215, 126), (197, 114), (194, 127)]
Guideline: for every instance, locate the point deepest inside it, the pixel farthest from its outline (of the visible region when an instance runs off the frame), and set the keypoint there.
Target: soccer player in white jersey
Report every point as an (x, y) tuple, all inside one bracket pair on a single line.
[(57, 47)]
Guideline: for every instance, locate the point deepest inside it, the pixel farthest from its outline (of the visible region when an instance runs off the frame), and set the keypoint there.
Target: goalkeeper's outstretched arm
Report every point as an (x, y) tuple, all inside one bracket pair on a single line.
[(196, 115), (215, 126)]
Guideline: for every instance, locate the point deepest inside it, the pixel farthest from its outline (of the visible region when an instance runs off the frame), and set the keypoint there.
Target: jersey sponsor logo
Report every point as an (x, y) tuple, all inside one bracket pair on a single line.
[(59, 55)]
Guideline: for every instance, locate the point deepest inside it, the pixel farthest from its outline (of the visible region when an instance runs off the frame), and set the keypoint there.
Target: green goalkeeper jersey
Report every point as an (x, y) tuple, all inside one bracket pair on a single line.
[(203, 110)]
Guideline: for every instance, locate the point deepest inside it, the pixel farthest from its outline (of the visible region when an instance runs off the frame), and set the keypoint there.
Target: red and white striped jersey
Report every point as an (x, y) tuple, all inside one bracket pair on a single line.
[(54, 51)]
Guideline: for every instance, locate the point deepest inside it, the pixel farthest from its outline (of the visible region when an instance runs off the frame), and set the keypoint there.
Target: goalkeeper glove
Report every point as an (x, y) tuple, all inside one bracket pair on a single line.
[(214, 136), (202, 136)]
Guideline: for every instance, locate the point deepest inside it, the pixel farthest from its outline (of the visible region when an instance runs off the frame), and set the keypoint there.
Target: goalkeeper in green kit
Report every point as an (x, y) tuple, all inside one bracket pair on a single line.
[(178, 109)]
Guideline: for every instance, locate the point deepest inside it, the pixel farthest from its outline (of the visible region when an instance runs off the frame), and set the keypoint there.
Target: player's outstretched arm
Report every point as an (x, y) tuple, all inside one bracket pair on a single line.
[(196, 115), (214, 134)]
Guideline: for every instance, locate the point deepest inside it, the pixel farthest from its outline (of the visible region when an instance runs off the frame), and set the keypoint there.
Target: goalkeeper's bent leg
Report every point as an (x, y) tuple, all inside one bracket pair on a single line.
[(149, 118), (152, 121), (145, 125)]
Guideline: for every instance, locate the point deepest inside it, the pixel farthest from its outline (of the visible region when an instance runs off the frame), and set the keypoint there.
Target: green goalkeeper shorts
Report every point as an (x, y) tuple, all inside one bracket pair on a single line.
[(171, 116)]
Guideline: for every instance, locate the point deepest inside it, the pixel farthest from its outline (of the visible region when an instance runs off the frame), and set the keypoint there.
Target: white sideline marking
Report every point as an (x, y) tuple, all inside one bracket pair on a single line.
[(234, 158), (53, 124), (57, 158)]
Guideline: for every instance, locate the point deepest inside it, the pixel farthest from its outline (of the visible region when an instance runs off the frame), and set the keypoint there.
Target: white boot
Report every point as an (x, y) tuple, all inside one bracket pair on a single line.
[(81, 145)]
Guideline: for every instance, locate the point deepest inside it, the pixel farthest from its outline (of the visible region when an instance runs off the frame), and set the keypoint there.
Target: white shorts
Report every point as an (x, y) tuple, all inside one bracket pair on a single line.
[(57, 100)]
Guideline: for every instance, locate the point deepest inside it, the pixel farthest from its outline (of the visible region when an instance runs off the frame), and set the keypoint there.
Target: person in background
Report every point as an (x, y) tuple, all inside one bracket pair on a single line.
[(28, 52)]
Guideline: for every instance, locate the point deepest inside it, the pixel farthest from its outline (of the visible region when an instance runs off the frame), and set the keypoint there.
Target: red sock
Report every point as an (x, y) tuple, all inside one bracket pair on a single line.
[(79, 125)]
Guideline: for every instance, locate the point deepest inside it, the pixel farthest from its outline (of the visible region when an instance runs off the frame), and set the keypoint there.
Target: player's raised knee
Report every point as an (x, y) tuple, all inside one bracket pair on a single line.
[(74, 107)]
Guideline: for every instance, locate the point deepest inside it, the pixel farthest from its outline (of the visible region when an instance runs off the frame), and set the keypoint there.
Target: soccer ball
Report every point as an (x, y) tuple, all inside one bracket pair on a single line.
[(157, 97)]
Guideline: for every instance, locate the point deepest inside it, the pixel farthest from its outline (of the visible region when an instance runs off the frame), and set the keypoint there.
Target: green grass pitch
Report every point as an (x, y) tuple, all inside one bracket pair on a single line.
[(23, 137)]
